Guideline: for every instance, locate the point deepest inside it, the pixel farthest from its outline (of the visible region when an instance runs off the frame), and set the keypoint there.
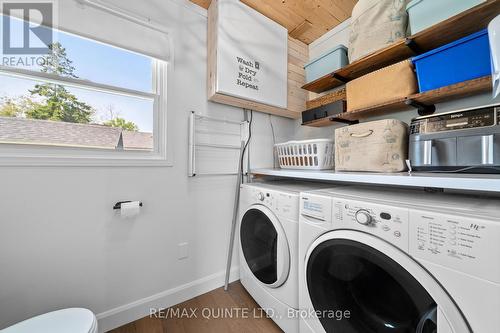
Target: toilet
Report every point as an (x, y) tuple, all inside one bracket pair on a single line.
[(74, 320)]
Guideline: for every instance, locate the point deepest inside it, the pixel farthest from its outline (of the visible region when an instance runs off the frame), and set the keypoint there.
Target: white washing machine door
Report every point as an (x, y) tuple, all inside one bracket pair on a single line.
[(383, 288), (264, 246)]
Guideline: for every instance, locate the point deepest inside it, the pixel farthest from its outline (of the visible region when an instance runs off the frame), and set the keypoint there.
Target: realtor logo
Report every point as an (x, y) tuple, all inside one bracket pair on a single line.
[(36, 34)]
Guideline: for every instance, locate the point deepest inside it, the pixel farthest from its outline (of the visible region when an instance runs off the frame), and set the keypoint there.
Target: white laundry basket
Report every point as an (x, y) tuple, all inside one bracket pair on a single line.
[(306, 154)]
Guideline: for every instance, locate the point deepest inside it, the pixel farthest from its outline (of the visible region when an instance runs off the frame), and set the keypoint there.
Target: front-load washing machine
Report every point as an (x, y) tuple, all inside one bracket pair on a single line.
[(268, 247), (375, 260)]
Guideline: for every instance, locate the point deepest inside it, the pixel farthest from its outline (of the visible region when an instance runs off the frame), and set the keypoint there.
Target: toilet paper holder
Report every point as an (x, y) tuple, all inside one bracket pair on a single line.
[(118, 205)]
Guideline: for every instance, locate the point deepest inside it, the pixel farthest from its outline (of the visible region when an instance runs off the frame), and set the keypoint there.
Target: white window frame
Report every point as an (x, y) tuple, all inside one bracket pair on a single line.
[(44, 155)]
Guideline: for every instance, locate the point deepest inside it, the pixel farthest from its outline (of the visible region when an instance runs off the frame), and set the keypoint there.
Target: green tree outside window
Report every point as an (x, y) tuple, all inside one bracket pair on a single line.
[(49, 101)]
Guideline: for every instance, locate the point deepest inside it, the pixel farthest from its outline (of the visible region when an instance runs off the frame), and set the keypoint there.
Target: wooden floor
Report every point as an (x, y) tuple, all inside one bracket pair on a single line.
[(242, 314)]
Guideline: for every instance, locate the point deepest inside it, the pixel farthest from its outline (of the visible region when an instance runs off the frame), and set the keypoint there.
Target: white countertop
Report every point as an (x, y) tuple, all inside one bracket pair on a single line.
[(469, 182)]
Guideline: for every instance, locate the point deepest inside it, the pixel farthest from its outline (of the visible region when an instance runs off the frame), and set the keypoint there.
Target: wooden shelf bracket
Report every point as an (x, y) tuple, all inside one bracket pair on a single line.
[(422, 109), (340, 78), (412, 45), (344, 121)]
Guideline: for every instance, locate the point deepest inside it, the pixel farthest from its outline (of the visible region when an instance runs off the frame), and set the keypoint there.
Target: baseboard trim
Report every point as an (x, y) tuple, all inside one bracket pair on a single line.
[(127, 313)]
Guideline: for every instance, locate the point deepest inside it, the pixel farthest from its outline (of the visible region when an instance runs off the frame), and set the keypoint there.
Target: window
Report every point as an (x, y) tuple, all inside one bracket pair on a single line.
[(83, 99)]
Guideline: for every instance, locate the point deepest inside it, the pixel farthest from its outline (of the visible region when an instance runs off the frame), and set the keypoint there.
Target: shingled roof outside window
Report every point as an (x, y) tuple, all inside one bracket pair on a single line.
[(55, 133)]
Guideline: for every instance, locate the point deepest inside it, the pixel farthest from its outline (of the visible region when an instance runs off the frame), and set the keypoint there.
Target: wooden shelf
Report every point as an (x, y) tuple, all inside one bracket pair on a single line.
[(454, 28), (326, 99), (429, 98)]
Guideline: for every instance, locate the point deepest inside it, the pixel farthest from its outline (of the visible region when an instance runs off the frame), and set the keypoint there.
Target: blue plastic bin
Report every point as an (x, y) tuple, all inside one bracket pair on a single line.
[(328, 62), (465, 59), (426, 13)]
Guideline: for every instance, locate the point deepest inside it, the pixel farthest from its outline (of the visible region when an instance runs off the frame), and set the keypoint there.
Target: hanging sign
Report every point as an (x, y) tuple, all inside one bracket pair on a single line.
[(252, 55)]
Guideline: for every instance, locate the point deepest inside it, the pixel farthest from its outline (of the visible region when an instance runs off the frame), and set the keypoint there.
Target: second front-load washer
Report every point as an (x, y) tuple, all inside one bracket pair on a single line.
[(268, 246), (389, 260)]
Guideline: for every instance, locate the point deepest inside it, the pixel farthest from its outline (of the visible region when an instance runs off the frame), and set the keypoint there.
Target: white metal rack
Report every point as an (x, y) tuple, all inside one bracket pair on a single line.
[(194, 144)]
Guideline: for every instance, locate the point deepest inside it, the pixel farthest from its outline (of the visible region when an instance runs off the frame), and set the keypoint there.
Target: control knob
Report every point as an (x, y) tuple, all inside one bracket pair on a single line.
[(363, 217), (261, 196)]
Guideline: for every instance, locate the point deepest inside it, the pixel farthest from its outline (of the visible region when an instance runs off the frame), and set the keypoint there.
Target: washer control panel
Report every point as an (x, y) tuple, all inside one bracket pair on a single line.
[(282, 203), (387, 222), (468, 245)]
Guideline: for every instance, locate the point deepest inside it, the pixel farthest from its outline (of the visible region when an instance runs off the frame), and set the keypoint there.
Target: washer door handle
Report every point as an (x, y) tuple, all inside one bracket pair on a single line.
[(282, 260)]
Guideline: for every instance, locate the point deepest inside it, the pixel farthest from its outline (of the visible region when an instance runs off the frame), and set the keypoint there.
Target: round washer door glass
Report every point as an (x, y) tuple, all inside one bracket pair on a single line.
[(380, 295), (263, 246)]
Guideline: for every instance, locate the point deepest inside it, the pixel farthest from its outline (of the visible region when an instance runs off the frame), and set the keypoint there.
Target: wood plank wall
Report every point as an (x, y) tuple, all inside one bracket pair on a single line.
[(298, 55)]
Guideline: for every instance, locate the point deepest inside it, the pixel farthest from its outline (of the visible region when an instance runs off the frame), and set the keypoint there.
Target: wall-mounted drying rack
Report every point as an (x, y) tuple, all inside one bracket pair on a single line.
[(235, 136), (194, 145)]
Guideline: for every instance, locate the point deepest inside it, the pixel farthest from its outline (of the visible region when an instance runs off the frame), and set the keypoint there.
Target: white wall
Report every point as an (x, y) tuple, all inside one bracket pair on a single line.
[(61, 245), (340, 35)]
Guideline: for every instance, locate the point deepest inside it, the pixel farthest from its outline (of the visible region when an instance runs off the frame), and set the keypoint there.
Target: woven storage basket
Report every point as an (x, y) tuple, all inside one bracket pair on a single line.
[(377, 146), (306, 154)]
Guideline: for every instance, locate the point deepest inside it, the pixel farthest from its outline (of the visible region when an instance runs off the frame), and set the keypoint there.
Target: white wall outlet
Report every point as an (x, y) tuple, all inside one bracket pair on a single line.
[(183, 251)]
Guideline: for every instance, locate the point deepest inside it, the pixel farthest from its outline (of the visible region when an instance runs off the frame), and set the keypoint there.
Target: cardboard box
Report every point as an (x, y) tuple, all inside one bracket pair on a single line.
[(382, 86)]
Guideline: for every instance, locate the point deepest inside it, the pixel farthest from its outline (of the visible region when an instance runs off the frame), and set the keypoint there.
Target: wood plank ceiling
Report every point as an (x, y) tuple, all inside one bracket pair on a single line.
[(306, 20)]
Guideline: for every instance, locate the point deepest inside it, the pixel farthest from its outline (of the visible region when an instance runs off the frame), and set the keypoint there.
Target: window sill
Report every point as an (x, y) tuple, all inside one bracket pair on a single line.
[(83, 162), (71, 157), (33, 155)]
